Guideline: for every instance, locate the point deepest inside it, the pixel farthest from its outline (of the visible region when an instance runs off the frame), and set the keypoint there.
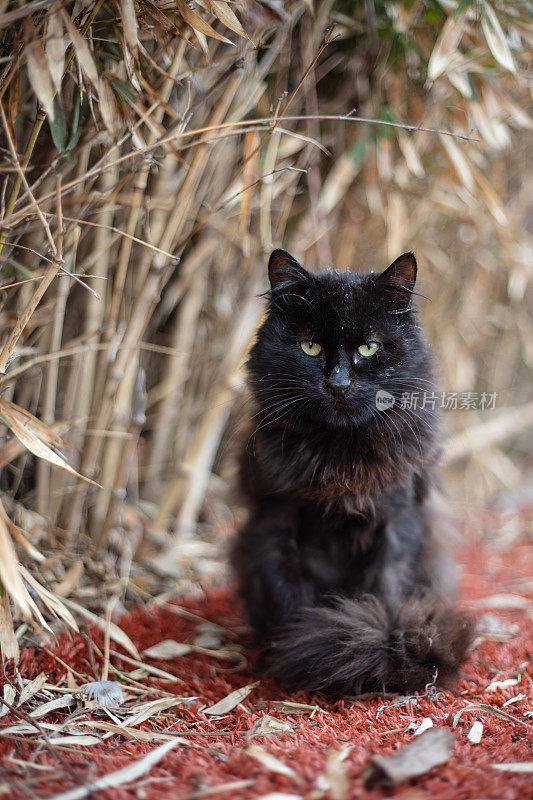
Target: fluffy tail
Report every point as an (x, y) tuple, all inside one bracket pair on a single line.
[(358, 646)]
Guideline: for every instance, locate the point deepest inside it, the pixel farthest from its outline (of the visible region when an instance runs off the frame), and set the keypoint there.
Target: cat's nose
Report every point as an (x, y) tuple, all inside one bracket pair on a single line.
[(339, 382)]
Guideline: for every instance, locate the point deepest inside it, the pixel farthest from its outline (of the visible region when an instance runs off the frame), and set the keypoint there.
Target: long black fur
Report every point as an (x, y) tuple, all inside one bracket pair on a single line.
[(343, 566)]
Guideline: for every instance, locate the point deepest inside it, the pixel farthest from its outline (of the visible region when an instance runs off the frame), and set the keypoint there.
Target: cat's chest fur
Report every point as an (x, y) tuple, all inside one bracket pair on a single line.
[(337, 470), (332, 550)]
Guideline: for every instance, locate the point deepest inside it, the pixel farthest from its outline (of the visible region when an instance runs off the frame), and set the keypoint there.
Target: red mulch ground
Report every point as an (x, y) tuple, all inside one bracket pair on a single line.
[(220, 757)]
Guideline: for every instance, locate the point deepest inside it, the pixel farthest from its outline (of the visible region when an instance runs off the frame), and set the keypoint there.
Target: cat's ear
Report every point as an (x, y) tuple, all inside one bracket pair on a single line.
[(398, 280), (283, 268)]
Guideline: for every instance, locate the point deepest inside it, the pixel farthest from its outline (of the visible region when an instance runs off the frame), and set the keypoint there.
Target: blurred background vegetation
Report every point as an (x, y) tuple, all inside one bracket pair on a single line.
[(153, 152)]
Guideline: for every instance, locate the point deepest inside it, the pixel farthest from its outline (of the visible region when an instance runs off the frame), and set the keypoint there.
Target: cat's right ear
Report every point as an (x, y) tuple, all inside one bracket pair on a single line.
[(283, 268)]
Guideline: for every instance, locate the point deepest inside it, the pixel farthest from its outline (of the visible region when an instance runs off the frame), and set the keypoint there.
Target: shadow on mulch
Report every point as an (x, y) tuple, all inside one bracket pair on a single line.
[(217, 753)]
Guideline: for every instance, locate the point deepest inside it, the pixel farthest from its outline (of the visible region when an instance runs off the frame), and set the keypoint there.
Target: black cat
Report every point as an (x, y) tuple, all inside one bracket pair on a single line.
[(342, 568)]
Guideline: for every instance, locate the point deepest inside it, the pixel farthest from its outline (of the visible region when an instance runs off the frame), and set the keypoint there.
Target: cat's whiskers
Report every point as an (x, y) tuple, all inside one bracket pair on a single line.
[(383, 418), (406, 422), (275, 413), (274, 407)]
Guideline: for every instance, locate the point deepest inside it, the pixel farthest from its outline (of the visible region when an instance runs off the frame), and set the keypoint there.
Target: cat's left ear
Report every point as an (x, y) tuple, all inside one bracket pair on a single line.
[(398, 280), (283, 268)]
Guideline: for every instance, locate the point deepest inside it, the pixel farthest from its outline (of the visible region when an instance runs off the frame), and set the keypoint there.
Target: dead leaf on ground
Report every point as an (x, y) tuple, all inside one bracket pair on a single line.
[(338, 783), (268, 726), (495, 686), (519, 766), (83, 740), (31, 688), (143, 711), (425, 725), (475, 733), (271, 762), (231, 700), (288, 707), (9, 697), (503, 601), (434, 747), (167, 649), (53, 705), (127, 774), (488, 710)]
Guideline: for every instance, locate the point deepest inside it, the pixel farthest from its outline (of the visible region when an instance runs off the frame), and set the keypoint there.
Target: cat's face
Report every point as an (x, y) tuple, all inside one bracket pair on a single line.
[(332, 340)]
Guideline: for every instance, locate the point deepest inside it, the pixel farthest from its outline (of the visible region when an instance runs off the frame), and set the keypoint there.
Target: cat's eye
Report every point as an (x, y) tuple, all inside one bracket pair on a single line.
[(367, 350), (311, 348)]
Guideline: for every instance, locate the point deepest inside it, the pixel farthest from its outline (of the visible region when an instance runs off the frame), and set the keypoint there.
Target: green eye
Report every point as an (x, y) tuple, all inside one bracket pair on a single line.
[(367, 350), (311, 348)]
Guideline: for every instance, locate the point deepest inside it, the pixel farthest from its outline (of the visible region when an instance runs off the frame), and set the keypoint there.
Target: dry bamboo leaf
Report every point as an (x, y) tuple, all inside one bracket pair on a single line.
[(289, 707), (116, 633), (460, 81), (488, 710), (56, 47), (38, 72), (26, 728), (495, 686), (337, 779), (129, 733), (459, 162), (31, 688), (227, 17), (231, 700), (268, 726), (53, 705), (167, 649), (520, 766), (130, 26), (197, 23), (475, 733), (495, 37), (49, 599), (209, 636), (144, 711), (108, 107), (425, 725), (434, 747), (10, 577), (41, 429), (446, 46), (17, 534), (83, 740), (121, 776), (507, 601), (271, 762), (83, 53), (515, 699), (279, 796), (410, 153), (71, 682), (202, 41), (22, 319), (25, 428), (9, 646), (9, 696)]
